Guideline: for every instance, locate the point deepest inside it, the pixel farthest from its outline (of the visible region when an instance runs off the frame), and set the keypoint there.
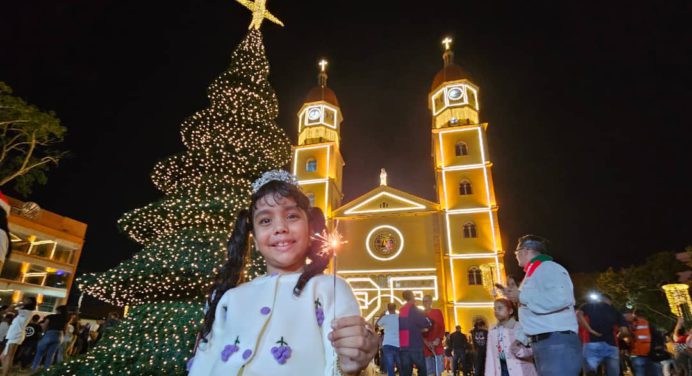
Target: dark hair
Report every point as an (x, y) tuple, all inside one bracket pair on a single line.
[(407, 295), (231, 273), (533, 242), (31, 305), (62, 310), (507, 303)]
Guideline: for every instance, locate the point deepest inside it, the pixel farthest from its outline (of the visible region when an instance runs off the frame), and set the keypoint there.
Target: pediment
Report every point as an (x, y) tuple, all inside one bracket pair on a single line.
[(385, 199)]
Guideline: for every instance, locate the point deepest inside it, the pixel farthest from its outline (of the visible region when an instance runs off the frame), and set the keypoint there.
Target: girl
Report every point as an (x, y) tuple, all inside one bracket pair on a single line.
[(505, 355), (277, 324)]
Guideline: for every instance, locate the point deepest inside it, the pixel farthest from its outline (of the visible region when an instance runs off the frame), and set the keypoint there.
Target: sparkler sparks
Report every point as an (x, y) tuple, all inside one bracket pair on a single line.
[(331, 240)]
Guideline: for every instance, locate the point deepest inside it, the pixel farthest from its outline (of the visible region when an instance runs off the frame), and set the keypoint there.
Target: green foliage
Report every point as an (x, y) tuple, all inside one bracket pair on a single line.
[(639, 286), (154, 339), (28, 137)]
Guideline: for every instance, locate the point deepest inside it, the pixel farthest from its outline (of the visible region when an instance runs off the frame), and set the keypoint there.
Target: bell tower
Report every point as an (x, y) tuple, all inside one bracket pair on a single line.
[(472, 247), (317, 160)]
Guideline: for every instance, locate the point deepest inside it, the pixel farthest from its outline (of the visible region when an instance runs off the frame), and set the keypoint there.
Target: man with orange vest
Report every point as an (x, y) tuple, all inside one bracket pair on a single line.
[(640, 344)]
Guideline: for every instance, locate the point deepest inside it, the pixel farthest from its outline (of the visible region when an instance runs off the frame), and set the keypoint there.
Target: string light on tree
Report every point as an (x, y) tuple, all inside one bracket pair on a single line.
[(183, 236)]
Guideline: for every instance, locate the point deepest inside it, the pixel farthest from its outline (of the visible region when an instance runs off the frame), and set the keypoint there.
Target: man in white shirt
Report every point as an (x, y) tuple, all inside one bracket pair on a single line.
[(390, 344), (546, 309)]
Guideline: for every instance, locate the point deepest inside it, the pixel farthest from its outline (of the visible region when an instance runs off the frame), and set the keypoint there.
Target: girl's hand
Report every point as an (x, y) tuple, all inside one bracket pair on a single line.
[(354, 343)]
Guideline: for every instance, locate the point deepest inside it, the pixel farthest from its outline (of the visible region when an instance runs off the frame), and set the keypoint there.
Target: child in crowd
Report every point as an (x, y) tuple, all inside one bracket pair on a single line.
[(506, 356), (278, 324)]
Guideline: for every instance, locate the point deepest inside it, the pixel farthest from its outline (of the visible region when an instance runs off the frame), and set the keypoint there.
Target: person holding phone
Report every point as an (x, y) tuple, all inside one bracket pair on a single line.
[(546, 309), (17, 331)]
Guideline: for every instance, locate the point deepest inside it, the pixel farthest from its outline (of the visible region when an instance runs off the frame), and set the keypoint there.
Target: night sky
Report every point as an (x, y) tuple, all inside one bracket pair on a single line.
[(584, 101)]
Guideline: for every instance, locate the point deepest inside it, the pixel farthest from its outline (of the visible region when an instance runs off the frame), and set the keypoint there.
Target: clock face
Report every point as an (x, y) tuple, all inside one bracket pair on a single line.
[(314, 114), (455, 93)]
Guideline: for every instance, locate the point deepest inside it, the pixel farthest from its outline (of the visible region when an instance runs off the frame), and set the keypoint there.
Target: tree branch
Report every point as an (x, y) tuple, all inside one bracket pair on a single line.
[(24, 170)]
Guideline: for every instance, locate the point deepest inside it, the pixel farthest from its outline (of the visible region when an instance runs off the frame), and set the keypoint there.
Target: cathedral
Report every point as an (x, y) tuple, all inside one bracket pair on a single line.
[(397, 241)]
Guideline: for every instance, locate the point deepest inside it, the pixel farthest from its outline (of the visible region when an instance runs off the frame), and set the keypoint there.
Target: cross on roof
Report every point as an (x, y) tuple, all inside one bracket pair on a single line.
[(447, 42)]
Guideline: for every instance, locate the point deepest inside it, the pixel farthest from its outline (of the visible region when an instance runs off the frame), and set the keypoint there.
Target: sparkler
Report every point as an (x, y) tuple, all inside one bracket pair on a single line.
[(331, 240)]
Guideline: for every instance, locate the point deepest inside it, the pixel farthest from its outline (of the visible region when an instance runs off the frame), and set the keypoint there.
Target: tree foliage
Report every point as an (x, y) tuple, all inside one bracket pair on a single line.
[(28, 137), (639, 286)]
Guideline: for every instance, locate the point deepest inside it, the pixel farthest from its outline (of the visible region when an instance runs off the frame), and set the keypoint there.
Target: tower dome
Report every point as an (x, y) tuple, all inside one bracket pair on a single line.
[(321, 92), (451, 70)]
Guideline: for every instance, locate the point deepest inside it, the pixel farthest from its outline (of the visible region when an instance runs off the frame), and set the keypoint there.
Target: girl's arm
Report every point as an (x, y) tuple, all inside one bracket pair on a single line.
[(348, 338), (517, 348)]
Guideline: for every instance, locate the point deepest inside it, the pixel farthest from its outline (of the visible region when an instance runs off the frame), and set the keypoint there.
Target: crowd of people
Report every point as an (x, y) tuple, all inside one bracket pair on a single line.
[(418, 338), (539, 330), (31, 342)]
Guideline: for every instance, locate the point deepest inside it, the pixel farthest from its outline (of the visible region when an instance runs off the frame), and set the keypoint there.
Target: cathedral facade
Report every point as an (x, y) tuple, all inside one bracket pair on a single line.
[(397, 241)]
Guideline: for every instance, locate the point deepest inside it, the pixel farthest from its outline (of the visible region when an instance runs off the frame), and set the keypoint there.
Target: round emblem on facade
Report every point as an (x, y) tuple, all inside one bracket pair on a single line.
[(455, 93), (384, 242), (314, 114)]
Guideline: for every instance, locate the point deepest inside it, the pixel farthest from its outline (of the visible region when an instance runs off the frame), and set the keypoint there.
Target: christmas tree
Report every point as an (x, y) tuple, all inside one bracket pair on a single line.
[(184, 235)]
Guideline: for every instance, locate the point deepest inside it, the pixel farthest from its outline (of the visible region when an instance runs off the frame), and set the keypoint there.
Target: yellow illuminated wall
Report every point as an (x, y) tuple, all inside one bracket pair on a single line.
[(317, 160), (398, 241), (467, 198)]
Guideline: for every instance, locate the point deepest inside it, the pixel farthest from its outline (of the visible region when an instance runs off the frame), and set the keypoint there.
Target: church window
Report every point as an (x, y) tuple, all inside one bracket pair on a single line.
[(470, 230), (475, 276), (311, 198), (311, 165), (465, 188), (461, 149)]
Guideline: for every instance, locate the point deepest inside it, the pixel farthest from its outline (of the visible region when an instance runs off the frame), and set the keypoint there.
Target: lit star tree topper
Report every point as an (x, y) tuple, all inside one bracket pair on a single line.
[(183, 235), (259, 13)]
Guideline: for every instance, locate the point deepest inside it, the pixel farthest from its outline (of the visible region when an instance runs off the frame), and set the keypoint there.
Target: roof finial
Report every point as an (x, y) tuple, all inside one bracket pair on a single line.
[(383, 176), (448, 56), (322, 77)]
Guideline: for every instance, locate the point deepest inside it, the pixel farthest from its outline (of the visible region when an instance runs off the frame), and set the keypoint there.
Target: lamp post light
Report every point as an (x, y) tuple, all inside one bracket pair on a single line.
[(678, 297)]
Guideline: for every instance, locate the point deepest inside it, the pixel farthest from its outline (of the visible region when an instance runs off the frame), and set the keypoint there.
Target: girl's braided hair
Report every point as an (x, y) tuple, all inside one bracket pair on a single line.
[(232, 272)]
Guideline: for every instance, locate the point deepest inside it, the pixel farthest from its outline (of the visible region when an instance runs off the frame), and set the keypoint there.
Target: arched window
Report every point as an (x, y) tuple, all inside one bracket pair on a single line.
[(475, 276), (461, 149), (311, 165), (384, 205), (465, 188), (311, 197), (470, 230)]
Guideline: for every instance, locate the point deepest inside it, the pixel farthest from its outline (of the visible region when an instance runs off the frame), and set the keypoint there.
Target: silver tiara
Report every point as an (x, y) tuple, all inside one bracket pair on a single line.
[(278, 175)]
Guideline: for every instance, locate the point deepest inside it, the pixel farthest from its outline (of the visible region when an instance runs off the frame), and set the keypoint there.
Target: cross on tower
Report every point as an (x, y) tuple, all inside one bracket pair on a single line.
[(447, 42), (323, 63)]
